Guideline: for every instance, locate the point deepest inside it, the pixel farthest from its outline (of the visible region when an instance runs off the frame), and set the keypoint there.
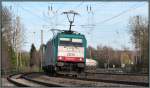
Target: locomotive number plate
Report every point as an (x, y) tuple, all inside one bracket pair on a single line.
[(70, 54)]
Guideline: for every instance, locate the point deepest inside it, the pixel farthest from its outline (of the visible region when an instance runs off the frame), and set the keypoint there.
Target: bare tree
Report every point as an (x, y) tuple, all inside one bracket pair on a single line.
[(139, 31), (12, 35), (104, 55), (7, 27), (6, 40)]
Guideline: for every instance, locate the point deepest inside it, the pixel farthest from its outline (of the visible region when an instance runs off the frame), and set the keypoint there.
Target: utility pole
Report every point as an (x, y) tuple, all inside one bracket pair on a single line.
[(53, 16), (41, 37), (138, 24), (41, 47), (108, 57), (16, 42), (108, 62), (33, 37), (20, 59), (90, 54)]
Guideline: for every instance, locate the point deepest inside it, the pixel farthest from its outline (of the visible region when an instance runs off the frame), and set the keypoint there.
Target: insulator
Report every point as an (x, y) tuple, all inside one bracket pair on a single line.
[(10, 7), (90, 8), (87, 8), (51, 8), (48, 8)]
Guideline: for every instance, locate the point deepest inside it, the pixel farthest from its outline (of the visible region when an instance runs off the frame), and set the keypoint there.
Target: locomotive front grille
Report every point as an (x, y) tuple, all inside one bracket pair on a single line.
[(60, 64), (81, 65)]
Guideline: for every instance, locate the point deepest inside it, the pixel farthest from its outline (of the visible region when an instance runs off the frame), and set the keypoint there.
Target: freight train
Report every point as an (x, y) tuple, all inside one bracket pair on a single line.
[(65, 53)]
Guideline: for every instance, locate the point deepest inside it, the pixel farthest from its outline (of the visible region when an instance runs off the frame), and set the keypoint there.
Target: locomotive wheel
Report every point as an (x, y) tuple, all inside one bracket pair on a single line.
[(52, 71), (75, 76)]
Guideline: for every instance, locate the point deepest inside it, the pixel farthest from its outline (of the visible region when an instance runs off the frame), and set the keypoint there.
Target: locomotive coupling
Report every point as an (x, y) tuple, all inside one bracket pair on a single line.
[(60, 64)]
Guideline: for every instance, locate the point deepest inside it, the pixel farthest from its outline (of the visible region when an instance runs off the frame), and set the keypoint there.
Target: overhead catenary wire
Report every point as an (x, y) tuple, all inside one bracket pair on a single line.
[(39, 17), (56, 13), (76, 7), (44, 20), (121, 13), (80, 5), (90, 23), (113, 17)]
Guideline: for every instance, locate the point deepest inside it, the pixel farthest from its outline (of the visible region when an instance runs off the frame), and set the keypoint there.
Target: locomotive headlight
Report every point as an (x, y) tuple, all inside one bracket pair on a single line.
[(60, 58), (81, 59)]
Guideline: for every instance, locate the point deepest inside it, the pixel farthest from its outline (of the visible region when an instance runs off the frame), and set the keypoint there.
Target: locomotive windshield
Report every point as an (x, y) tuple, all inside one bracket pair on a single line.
[(71, 42)]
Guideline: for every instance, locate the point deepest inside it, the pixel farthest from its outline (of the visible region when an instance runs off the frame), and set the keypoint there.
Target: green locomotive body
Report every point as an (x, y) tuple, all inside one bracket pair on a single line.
[(65, 52)]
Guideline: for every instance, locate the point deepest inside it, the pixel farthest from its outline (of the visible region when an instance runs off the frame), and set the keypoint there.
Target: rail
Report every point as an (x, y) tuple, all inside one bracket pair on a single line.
[(27, 77)]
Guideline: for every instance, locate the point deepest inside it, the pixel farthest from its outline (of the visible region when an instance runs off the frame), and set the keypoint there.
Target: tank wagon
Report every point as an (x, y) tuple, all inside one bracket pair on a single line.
[(91, 65), (65, 53)]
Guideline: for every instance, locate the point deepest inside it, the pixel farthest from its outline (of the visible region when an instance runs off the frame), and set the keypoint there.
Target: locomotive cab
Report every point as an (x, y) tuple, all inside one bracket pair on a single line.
[(71, 52), (65, 53)]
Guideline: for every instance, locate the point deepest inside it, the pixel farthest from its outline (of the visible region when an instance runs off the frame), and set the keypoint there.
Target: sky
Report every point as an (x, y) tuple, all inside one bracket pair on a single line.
[(110, 20)]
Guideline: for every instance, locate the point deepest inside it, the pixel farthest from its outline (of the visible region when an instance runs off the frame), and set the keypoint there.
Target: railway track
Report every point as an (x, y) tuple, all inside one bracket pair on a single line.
[(123, 78), (60, 81), (12, 78), (111, 73), (21, 81), (118, 82), (126, 82)]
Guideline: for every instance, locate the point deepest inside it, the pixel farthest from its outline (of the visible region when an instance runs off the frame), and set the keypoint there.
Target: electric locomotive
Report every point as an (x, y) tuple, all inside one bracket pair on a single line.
[(65, 53)]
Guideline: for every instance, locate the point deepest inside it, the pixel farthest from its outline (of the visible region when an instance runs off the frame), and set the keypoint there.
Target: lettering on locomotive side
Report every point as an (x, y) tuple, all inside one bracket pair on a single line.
[(70, 49)]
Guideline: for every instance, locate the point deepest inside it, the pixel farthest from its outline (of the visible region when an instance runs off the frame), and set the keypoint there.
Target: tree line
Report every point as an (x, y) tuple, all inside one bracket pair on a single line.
[(12, 40), (140, 39), (137, 58)]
